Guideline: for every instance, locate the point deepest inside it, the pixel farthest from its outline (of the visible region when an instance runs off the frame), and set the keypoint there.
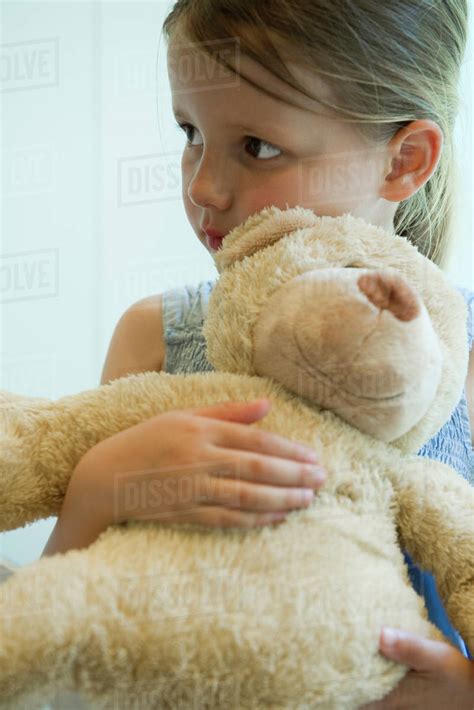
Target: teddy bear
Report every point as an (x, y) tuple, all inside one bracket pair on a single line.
[(360, 343)]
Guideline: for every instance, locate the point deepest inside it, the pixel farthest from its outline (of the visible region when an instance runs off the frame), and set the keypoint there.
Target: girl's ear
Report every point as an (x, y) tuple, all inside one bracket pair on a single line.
[(415, 151)]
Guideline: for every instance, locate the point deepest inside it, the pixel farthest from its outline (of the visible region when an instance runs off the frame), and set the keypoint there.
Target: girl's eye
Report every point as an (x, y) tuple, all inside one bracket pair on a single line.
[(186, 127), (253, 142)]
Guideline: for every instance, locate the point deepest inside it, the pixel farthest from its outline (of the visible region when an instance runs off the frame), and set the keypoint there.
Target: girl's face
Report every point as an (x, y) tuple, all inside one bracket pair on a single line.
[(246, 150)]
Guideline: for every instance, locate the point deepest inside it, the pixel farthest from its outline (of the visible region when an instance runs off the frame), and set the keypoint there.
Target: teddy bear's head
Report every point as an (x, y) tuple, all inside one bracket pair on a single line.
[(345, 314)]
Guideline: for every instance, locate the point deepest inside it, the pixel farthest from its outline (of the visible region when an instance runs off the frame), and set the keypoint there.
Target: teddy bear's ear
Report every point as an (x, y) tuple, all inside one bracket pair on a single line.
[(261, 230), (323, 338)]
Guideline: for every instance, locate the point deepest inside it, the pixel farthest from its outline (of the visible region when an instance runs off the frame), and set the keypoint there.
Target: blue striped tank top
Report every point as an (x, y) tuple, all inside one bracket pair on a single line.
[(184, 310)]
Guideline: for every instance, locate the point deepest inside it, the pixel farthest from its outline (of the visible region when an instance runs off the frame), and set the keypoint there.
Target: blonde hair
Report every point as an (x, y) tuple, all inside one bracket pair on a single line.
[(388, 63)]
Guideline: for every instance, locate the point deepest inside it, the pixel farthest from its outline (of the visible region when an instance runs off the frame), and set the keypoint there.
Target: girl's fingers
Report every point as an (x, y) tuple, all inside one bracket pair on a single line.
[(250, 438), (262, 442), (238, 493), (416, 652), (269, 470)]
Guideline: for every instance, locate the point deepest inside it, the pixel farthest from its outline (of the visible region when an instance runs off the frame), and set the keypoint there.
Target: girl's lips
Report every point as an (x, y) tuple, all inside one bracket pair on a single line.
[(213, 232), (214, 242), (213, 238)]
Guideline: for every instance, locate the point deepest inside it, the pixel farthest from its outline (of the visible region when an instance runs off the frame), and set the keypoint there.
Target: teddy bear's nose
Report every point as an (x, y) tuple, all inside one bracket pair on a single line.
[(392, 293)]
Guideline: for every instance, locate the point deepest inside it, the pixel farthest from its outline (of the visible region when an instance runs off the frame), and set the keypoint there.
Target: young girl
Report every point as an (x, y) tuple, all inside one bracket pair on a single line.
[(338, 106)]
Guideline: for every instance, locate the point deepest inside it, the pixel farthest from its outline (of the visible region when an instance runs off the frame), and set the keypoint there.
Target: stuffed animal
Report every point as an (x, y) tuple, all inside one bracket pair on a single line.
[(360, 343)]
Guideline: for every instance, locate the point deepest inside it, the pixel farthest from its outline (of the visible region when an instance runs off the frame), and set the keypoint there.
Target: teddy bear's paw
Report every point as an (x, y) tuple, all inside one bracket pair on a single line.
[(28, 490), (390, 292)]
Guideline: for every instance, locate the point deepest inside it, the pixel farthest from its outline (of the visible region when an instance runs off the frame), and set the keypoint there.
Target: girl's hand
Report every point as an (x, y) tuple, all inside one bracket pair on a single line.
[(195, 466), (440, 676)]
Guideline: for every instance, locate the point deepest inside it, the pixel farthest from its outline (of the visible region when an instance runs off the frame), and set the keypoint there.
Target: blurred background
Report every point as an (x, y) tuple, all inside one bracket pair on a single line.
[(91, 211)]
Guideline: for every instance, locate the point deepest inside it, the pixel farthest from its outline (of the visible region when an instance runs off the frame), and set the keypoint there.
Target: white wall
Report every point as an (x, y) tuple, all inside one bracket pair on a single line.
[(92, 218), (461, 264)]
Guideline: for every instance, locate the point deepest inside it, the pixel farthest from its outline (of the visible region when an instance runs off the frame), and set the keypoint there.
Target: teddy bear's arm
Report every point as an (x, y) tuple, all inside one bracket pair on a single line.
[(436, 527), (42, 440)]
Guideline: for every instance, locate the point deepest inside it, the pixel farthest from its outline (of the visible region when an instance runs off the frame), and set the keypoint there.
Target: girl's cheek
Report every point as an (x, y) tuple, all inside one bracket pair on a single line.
[(279, 195)]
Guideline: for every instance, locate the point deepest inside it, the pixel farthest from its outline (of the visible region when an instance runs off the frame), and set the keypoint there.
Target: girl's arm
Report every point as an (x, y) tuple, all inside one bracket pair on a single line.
[(75, 527), (136, 346), (218, 462), (137, 343)]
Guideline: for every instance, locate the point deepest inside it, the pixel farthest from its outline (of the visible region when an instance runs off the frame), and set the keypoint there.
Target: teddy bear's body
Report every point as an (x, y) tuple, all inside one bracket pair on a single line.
[(183, 616)]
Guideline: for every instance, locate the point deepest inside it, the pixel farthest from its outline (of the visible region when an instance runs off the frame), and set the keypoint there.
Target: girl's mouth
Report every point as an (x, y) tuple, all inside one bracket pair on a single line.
[(214, 242), (213, 238)]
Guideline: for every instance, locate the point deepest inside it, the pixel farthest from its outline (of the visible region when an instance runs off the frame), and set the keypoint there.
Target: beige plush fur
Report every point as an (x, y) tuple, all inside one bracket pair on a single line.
[(168, 616)]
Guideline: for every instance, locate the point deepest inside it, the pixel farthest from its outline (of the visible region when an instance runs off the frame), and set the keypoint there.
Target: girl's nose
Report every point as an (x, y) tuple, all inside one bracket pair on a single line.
[(210, 183)]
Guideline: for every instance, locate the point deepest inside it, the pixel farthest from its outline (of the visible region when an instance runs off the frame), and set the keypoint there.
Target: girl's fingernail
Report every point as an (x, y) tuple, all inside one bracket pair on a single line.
[(389, 636), (318, 475), (310, 455)]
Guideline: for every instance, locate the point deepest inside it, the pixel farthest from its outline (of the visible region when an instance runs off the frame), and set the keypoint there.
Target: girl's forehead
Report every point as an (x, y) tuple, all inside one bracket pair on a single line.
[(193, 69)]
